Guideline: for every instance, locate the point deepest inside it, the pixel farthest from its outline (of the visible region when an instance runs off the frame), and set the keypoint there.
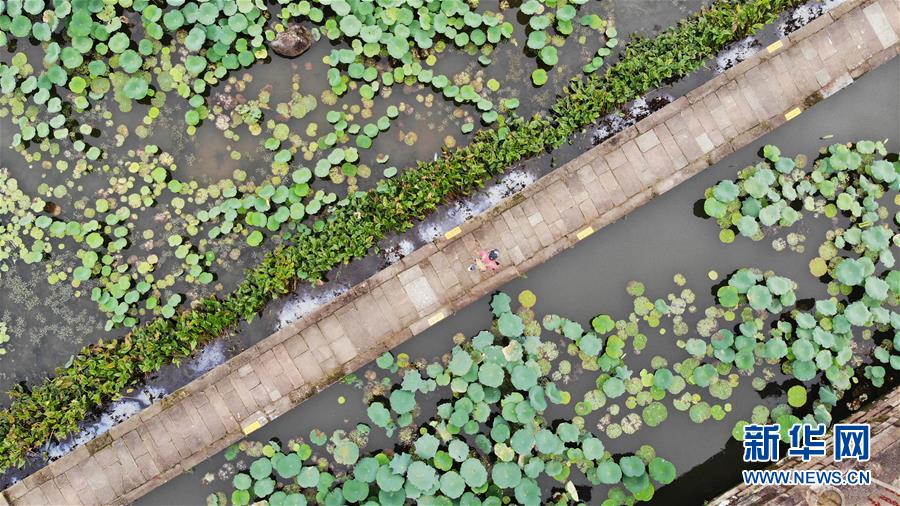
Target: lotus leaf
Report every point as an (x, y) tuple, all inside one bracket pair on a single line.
[(402, 401), (261, 468), (506, 474), (704, 375), (857, 313), (490, 375), (613, 387), (728, 296), (539, 77), (654, 414), (510, 325), (850, 272), (876, 288), (804, 370), (759, 297), (696, 347), (460, 363), (632, 466), (796, 396)]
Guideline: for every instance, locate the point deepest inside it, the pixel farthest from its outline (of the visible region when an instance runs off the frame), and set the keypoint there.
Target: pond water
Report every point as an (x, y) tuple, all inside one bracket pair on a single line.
[(48, 322), (651, 245)]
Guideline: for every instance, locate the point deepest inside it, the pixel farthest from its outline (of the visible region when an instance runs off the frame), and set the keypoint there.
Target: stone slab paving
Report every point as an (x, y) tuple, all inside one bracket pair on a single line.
[(586, 194), (884, 418)]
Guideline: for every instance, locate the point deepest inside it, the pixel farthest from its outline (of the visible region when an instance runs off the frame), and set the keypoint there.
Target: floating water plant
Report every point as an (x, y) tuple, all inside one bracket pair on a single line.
[(487, 440), (342, 233)]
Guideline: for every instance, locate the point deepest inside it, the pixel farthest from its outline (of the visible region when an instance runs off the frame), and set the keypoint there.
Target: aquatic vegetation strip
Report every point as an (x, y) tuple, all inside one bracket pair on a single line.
[(488, 440), (546, 224), (388, 45), (99, 373)]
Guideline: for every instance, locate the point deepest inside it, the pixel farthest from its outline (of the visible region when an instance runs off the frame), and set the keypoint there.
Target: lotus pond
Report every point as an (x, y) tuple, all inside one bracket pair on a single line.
[(776, 301), (132, 134), (151, 152)]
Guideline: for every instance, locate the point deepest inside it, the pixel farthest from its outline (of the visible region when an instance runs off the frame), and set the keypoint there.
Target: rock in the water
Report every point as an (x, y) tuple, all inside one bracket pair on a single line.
[(293, 41)]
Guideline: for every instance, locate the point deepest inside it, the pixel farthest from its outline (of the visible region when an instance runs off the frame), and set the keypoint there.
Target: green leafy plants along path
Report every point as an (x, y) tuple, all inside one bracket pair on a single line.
[(100, 372)]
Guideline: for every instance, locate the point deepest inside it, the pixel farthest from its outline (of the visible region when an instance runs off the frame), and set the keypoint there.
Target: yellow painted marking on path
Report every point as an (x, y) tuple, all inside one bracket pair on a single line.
[(455, 231), (775, 46), (436, 317), (251, 427), (584, 233), (793, 113)]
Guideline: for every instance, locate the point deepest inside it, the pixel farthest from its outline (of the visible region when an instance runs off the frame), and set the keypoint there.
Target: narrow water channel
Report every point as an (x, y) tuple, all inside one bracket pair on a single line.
[(652, 244)]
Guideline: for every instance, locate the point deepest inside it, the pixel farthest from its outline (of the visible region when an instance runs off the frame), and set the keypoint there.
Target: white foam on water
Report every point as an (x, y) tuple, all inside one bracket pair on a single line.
[(304, 303), (465, 209), (394, 254), (736, 52), (806, 13), (115, 413), (209, 357), (615, 122)]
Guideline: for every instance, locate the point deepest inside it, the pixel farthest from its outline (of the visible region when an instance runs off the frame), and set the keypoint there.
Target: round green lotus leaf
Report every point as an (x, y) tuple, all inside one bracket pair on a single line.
[(796, 396), (662, 470), (490, 374), (662, 378), (857, 313), (525, 376), (603, 324), (613, 387), (460, 363), (318, 437), (427, 446), (473, 472), (135, 88), (452, 484), (759, 297), (240, 497), (609, 472), (803, 350), (704, 375), (547, 442), (590, 345), (539, 77), (850, 272), (528, 492), (522, 441), (260, 468), (421, 475), (714, 208), (346, 453), (568, 432), (728, 296), (242, 481), (696, 347), (632, 466), (506, 474), (655, 413), (402, 401), (288, 466), (699, 412), (387, 480), (804, 370), (264, 487), (510, 325)]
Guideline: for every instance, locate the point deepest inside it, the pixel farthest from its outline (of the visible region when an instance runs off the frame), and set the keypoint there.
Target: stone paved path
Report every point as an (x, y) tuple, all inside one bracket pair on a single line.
[(884, 418), (592, 191)]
